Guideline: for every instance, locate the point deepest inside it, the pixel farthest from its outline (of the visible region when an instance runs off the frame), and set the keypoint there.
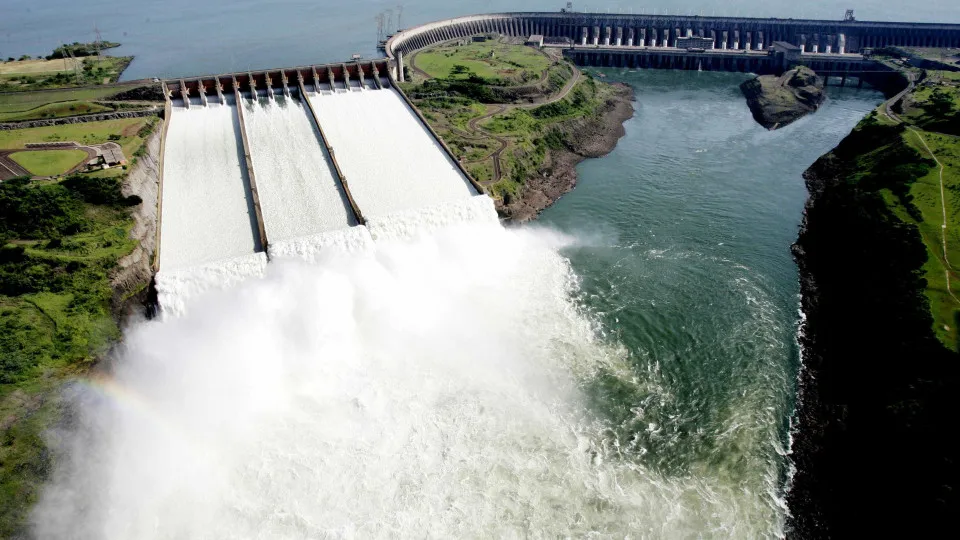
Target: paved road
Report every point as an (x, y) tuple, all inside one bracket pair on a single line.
[(888, 105), (502, 142), (10, 168)]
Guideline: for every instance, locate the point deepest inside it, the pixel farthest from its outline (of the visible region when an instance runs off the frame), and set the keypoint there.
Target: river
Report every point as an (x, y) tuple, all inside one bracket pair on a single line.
[(679, 243), (686, 230)]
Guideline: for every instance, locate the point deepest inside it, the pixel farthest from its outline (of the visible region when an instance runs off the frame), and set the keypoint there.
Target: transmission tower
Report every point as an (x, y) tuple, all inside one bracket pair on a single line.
[(380, 21), (77, 70), (399, 17), (389, 21), (97, 43)]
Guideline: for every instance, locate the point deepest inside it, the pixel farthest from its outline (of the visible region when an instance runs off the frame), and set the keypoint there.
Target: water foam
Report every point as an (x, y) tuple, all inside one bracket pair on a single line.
[(410, 223), (177, 288), (432, 384), (299, 194), (310, 248), (392, 162), (208, 212)]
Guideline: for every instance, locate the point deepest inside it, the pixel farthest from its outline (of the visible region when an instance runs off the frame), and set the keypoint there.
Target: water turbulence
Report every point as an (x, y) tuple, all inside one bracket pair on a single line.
[(431, 373), (208, 235), (299, 192), (435, 383)]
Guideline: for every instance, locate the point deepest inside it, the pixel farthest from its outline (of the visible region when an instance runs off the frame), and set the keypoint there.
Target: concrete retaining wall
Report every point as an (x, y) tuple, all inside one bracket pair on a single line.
[(99, 117)]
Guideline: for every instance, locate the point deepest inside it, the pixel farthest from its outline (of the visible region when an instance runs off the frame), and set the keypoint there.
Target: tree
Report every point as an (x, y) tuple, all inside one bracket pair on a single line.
[(941, 103)]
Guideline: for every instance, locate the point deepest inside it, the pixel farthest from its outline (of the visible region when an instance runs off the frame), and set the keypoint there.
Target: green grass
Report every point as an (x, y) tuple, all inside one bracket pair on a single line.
[(54, 110), (926, 198), (128, 129), (25, 101), (93, 72), (510, 63), (49, 162)]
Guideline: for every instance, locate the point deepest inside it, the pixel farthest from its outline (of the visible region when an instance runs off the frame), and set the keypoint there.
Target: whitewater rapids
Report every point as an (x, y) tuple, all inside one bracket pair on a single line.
[(427, 386)]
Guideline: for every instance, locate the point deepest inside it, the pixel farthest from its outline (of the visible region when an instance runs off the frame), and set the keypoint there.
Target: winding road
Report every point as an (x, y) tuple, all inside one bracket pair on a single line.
[(503, 143)]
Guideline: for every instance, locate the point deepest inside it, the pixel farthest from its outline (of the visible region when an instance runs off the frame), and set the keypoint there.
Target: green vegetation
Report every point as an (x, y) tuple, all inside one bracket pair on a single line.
[(22, 106), (69, 65), (500, 63), (55, 110), (485, 108), (25, 101), (49, 162), (82, 49), (129, 133), (59, 242), (91, 71), (878, 255)]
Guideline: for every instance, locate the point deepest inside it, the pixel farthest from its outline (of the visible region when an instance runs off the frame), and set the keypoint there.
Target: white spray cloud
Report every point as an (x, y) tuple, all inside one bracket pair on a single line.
[(426, 387)]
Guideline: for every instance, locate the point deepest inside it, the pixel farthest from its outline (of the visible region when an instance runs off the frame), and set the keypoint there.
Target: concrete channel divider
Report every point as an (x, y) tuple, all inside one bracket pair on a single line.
[(167, 112), (333, 157), (185, 94), (261, 229), (476, 185)]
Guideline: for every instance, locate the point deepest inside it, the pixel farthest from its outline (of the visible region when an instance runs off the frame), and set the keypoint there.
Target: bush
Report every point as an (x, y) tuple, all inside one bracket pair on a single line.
[(102, 191), (33, 211)]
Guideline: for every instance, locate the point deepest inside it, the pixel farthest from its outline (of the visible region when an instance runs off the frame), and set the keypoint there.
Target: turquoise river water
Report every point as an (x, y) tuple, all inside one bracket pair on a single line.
[(686, 230)]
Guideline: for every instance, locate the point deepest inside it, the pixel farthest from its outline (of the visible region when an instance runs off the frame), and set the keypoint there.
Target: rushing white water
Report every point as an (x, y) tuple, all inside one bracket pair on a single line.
[(176, 288), (207, 210), (299, 194), (390, 160), (431, 386)]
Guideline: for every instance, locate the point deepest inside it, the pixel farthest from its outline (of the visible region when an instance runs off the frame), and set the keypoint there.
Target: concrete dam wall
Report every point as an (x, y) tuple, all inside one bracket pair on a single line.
[(289, 163), (721, 33)]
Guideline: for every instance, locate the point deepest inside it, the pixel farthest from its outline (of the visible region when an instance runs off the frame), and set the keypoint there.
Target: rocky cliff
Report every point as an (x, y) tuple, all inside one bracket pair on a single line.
[(877, 390)]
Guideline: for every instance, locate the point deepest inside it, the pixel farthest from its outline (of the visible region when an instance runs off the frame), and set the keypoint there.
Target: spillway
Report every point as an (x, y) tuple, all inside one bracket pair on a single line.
[(299, 193), (391, 162), (208, 212), (333, 163)]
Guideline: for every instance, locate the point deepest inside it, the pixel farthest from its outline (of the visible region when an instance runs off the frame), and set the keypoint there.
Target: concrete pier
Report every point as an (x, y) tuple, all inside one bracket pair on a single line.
[(255, 195)]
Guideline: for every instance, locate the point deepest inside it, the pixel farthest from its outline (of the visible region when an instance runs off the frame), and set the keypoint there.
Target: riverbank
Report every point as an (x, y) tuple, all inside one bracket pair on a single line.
[(582, 138), (519, 118), (880, 365)]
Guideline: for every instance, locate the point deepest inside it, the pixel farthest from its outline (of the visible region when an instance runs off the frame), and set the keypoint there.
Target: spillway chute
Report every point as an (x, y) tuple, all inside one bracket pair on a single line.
[(295, 164)]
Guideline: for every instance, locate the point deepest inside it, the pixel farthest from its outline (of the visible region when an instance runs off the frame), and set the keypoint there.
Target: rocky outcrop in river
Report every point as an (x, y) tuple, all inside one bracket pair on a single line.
[(778, 101)]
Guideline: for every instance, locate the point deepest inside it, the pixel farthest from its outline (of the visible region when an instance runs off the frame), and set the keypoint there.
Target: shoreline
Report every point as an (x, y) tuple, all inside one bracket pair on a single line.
[(584, 138), (872, 372)]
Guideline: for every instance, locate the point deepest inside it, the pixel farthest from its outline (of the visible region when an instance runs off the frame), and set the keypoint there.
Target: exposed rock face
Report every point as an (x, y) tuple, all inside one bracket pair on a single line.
[(591, 137), (131, 280), (778, 101), (153, 111), (150, 92)]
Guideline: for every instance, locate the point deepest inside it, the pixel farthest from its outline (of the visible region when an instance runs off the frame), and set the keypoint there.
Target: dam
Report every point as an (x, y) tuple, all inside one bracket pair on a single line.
[(744, 44), (287, 163)]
